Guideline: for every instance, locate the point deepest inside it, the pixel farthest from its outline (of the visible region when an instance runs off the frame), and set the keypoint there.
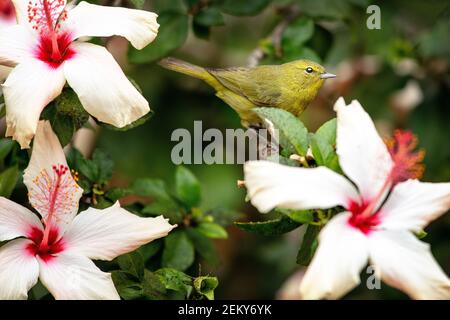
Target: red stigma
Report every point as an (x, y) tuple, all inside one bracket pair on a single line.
[(7, 10), (360, 221), (46, 51), (60, 170), (407, 162), (46, 251)]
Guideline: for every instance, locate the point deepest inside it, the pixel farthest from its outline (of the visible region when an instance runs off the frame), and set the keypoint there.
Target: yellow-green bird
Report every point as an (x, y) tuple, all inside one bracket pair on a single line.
[(290, 86)]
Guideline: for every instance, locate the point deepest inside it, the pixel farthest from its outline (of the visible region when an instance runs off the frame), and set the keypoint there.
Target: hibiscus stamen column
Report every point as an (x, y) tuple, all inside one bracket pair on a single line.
[(407, 165), (45, 16), (59, 172)]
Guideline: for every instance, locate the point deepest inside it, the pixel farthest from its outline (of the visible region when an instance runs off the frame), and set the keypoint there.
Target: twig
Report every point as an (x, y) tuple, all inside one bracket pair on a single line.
[(289, 13)]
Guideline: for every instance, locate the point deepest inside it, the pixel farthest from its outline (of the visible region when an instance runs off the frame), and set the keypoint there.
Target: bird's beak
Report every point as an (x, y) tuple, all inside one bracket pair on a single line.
[(327, 75)]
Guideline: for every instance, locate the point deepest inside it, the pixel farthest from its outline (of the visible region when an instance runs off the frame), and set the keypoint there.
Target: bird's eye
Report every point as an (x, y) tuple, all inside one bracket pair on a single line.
[(309, 70)]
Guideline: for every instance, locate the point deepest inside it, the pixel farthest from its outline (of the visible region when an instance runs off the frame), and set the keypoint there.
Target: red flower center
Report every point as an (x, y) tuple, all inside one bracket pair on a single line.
[(54, 51), (46, 251), (7, 10), (360, 220)]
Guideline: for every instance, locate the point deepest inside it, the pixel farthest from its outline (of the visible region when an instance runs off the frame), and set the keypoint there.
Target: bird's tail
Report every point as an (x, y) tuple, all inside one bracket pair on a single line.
[(185, 68)]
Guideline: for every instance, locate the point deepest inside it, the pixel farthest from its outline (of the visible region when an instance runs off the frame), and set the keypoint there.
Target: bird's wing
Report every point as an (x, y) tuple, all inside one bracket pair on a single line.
[(261, 89)]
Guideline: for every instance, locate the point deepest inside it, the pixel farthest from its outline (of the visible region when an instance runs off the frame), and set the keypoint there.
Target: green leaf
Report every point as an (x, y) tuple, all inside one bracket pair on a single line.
[(271, 227), (293, 134), (154, 188), (206, 286), (153, 287), (300, 216), (325, 9), (6, 145), (150, 249), (291, 53), (175, 280), (328, 131), (298, 32), (212, 230), (132, 263), (204, 246), (116, 193), (309, 245), (323, 146), (139, 122), (127, 285), (209, 17), (8, 181), (173, 33), (178, 251), (163, 202), (66, 115), (104, 164), (187, 187), (243, 8)]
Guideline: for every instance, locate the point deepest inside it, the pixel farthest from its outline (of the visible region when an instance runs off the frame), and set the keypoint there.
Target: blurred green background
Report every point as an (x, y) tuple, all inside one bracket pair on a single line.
[(399, 73)]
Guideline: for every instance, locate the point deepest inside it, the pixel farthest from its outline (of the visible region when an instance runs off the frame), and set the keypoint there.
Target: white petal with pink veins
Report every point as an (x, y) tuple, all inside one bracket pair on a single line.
[(16, 45), (342, 253), (52, 190), (42, 84), (16, 220), (412, 205), (102, 87), (138, 26), (111, 232), (72, 277), (19, 270), (363, 155), (273, 185), (406, 263)]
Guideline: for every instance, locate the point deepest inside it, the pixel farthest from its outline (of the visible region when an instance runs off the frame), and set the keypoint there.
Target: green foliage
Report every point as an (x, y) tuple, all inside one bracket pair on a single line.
[(173, 33), (293, 135), (8, 180), (196, 227), (323, 146), (271, 227), (206, 286), (178, 251), (66, 115), (243, 8), (187, 187), (309, 245), (212, 230)]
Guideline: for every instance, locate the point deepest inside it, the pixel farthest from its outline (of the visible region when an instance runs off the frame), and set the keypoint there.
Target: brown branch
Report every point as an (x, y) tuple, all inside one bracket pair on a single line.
[(289, 14)]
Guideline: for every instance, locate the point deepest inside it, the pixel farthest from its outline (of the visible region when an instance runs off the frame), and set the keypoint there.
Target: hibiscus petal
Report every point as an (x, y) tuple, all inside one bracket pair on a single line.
[(412, 205), (19, 270), (273, 185), (138, 26), (51, 188), (108, 233), (15, 220), (16, 45), (406, 263), (102, 87), (72, 277), (42, 84), (342, 253), (362, 153)]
